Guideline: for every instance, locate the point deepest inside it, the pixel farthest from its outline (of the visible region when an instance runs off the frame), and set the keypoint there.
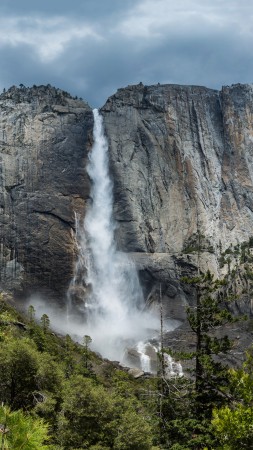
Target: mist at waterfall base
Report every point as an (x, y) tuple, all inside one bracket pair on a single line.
[(113, 310)]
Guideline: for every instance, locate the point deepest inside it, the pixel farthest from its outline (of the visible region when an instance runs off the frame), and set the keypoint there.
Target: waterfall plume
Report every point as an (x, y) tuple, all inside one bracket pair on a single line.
[(105, 299), (114, 307)]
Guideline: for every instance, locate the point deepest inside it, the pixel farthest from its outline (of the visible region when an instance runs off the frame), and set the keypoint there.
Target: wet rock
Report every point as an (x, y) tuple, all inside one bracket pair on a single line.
[(136, 373)]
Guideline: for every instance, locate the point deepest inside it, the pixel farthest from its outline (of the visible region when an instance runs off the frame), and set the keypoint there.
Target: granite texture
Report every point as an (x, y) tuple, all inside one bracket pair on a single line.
[(45, 136)]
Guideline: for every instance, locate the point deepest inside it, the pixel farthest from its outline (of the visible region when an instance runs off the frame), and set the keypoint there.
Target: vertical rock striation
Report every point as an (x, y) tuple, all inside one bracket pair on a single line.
[(182, 163), (182, 160), (44, 138)]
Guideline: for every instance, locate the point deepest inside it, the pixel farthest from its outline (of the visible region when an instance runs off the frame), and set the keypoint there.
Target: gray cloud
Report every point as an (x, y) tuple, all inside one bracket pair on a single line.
[(90, 8), (90, 48)]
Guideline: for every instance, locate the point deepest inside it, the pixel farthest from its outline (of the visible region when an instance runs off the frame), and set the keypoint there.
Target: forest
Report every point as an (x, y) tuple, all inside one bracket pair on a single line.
[(57, 394)]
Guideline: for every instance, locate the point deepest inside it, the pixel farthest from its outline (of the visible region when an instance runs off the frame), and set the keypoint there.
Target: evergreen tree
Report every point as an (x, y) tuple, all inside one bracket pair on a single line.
[(31, 313), (188, 403), (18, 370), (90, 416), (210, 314), (45, 322), (21, 431), (233, 422), (86, 352)]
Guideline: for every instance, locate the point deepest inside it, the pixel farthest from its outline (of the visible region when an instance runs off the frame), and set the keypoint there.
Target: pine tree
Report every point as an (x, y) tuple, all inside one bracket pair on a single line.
[(233, 422), (209, 314), (31, 313), (45, 322), (190, 401), (21, 431)]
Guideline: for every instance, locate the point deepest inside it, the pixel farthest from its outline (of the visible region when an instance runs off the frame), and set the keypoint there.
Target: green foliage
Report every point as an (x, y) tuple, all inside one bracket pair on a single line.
[(54, 379), (90, 416), (31, 313), (133, 433), (239, 253), (198, 243), (233, 422), (188, 403), (85, 411), (89, 403), (211, 374), (234, 427), (18, 370), (21, 431), (45, 322), (86, 353)]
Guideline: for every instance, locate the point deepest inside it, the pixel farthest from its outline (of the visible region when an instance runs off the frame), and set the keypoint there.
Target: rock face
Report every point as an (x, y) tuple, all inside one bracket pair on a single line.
[(45, 136), (182, 163)]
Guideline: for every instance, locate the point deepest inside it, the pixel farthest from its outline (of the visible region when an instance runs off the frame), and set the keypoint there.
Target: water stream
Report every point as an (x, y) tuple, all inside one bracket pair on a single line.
[(114, 307), (113, 304), (105, 299)]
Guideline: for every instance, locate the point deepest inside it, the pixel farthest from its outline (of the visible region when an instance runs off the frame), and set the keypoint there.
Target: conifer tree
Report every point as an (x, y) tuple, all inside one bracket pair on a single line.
[(190, 401), (205, 318), (21, 431), (45, 322), (233, 422)]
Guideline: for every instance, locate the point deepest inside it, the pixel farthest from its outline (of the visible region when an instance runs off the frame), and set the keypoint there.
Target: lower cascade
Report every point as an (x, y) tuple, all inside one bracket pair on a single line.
[(113, 303), (144, 358)]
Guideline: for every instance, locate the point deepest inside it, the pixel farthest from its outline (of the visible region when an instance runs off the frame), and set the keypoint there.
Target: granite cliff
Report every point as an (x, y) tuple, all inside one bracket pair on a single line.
[(183, 169), (45, 135), (182, 164)]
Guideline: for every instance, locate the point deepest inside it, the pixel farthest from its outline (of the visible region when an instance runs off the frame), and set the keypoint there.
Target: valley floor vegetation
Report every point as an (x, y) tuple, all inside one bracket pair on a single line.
[(56, 394)]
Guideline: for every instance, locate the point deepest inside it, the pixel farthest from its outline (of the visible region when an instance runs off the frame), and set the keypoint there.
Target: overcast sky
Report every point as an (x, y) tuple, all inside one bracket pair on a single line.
[(93, 47)]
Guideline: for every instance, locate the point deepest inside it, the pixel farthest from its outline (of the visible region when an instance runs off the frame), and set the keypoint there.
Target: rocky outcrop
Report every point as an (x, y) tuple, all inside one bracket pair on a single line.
[(45, 135), (182, 163)]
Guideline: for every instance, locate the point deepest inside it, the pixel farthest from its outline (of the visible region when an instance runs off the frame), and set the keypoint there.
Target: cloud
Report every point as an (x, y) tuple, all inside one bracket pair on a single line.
[(96, 10), (148, 19), (92, 48), (47, 37), (188, 20)]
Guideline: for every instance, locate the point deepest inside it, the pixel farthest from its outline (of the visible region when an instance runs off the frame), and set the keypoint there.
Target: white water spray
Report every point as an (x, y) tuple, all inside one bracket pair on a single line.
[(115, 287), (106, 280), (105, 289), (115, 313), (144, 358)]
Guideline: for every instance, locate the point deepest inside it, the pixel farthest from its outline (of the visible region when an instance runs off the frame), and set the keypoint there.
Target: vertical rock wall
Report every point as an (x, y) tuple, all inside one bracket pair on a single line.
[(182, 160), (44, 138), (182, 164)]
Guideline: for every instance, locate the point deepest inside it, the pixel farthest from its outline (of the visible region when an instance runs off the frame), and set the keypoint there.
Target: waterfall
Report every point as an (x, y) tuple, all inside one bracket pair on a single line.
[(144, 358), (173, 368), (114, 308), (115, 286), (105, 300)]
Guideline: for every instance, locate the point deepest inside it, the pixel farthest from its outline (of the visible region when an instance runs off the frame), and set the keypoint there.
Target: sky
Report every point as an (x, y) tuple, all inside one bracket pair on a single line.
[(90, 48)]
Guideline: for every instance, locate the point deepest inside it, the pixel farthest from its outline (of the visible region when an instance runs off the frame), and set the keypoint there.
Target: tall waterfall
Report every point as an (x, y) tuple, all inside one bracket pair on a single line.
[(115, 287), (115, 307), (108, 303)]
